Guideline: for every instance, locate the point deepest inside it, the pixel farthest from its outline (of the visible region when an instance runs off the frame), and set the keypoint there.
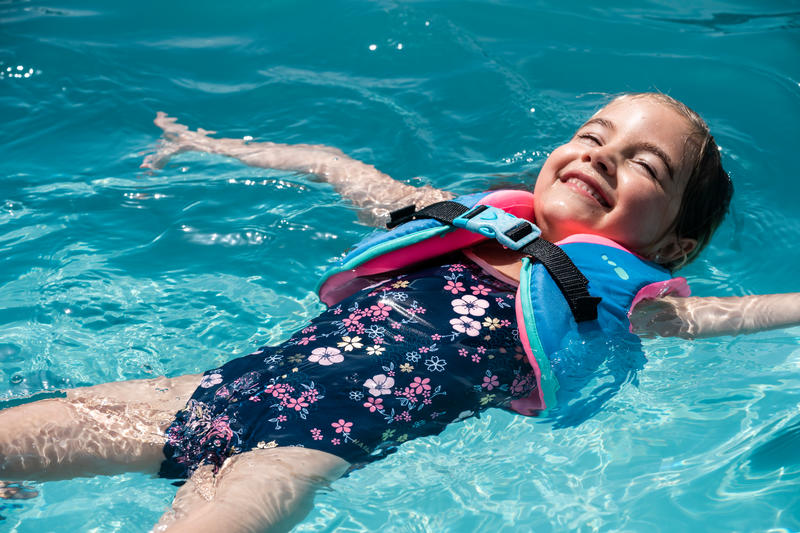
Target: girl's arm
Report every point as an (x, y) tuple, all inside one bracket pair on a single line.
[(696, 317), (364, 185)]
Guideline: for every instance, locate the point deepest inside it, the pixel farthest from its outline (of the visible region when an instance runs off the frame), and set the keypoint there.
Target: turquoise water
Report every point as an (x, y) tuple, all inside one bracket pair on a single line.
[(111, 273)]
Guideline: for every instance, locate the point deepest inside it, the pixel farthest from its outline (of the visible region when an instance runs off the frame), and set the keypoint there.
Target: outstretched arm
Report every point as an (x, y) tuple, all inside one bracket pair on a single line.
[(696, 317), (364, 185)]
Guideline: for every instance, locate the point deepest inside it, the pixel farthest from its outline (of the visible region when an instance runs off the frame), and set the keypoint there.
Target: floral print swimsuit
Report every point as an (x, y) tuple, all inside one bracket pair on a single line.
[(395, 361)]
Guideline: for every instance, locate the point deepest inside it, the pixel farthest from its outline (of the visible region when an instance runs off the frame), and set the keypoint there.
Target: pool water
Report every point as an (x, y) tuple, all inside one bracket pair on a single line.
[(111, 273)]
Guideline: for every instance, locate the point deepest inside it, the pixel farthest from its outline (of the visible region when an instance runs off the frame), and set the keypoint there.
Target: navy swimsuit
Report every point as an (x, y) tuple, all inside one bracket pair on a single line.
[(396, 361)]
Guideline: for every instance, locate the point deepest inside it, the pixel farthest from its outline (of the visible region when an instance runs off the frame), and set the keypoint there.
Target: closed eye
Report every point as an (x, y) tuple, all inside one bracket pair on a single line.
[(590, 137), (650, 170)]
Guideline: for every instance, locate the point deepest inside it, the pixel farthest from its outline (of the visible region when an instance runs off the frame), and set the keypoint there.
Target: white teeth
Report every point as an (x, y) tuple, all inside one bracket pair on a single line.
[(588, 189)]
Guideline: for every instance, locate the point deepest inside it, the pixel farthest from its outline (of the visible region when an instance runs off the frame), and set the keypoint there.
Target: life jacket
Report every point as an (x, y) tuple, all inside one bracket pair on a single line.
[(544, 320)]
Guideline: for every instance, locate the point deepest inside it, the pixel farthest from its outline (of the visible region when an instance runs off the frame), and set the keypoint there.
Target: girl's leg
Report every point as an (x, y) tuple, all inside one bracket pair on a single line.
[(260, 490), (105, 429)]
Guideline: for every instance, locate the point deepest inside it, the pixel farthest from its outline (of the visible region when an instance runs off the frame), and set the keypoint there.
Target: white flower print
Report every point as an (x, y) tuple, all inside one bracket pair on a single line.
[(349, 343), (209, 380), (465, 324), (470, 304), (380, 384), (356, 395), (375, 350), (326, 356), (435, 364)]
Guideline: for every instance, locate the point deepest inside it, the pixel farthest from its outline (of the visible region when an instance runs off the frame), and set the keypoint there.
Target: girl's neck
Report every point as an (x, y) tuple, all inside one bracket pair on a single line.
[(499, 262)]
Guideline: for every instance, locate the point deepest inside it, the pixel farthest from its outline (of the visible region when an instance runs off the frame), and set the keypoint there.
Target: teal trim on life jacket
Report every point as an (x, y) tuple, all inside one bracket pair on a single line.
[(382, 248), (548, 382)]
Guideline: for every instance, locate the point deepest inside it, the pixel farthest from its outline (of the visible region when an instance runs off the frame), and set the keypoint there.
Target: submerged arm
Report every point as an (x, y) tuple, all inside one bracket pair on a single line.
[(696, 317), (364, 185)]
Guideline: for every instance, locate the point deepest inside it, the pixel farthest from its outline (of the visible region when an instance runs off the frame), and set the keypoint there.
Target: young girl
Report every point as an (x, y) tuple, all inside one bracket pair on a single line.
[(402, 353)]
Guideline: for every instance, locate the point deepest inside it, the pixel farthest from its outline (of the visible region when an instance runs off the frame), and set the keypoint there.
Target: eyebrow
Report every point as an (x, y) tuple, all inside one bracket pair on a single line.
[(646, 146)]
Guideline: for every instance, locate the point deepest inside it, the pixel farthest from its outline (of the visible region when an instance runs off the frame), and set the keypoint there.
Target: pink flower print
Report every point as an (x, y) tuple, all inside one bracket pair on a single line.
[(306, 340), (316, 433), (462, 352), (479, 289), (309, 329), (476, 358), (436, 337), (281, 418), (490, 382), (419, 385), (310, 395), (520, 384), (498, 300), (455, 288), (427, 401), (519, 353), (379, 340), (326, 356), (405, 416), (337, 311), (398, 338), (374, 404), (469, 304), (395, 325), (353, 319), (423, 349), (336, 442), (481, 349), (342, 426), (209, 380), (379, 311), (505, 323), (294, 403), (379, 384), (416, 310), (465, 324), (456, 268), (278, 390), (220, 428)]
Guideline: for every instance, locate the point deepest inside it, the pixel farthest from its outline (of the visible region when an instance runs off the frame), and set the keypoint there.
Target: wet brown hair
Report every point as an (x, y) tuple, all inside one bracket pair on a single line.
[(709, 190)]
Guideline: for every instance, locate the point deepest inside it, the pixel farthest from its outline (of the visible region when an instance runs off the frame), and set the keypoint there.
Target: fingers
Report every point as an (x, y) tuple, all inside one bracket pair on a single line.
[(169, 124), (158, 160)]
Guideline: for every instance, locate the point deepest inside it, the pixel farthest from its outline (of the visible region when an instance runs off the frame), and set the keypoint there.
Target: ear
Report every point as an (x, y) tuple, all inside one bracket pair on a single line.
[(674, 249)]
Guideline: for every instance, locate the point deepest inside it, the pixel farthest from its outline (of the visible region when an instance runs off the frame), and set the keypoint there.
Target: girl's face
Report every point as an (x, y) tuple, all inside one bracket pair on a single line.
[(621, 176)]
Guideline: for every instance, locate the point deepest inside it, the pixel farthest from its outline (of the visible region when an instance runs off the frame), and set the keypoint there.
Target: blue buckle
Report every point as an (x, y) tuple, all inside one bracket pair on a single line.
[(496, 224)]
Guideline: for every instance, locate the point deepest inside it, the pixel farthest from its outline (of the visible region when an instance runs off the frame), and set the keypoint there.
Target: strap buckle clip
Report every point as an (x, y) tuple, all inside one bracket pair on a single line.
[(508, 230)]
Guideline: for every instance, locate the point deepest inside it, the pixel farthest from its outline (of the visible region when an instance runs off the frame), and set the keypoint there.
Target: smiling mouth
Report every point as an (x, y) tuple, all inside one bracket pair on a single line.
[(588, 189)]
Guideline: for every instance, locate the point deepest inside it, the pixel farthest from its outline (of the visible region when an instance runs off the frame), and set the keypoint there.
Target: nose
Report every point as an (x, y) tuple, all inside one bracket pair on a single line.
[(600, 159)]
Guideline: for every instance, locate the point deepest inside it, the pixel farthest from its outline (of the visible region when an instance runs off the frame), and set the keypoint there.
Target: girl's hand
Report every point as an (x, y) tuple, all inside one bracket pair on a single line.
[(659, 317), (176, 138), (697, 317), (372, 191)]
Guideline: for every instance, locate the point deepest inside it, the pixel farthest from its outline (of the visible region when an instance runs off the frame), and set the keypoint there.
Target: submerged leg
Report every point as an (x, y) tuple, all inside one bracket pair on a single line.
[(105, 429), (260, 490)]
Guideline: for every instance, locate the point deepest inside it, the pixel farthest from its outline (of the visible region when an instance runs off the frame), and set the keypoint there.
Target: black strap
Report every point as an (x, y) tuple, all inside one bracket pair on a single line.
[(445, 212), (571, 282)]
